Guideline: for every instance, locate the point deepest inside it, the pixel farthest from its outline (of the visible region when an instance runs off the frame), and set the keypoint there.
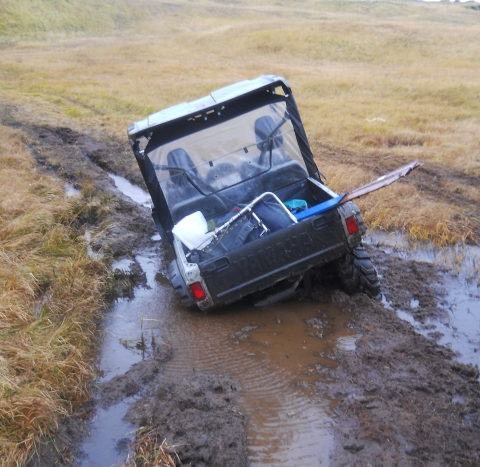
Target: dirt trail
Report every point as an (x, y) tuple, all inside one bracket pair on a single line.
[(401, 398)]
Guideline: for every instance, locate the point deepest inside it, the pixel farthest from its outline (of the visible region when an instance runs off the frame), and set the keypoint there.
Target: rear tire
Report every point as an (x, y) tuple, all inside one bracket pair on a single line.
[(179, 284), (357, 273)]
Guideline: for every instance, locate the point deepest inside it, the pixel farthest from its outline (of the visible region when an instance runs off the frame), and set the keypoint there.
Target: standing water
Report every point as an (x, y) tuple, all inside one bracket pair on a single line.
[(270, 352), (134, 192), (459, 276), (123, 329)]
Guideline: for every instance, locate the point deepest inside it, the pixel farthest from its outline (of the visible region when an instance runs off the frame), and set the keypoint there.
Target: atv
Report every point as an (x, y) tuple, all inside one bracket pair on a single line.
[(238, 197)]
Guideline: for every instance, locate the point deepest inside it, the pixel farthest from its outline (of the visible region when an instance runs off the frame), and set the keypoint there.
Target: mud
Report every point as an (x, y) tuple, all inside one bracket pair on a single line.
[(403, 398), (410, 285), (395, 397), (135, 379), (199, 419)]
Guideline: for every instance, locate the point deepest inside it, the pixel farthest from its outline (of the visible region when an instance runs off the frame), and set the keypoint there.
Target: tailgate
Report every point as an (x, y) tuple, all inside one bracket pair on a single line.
[(265, 261)]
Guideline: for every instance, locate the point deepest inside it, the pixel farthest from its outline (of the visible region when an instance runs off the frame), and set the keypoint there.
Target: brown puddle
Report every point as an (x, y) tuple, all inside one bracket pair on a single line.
[(271, 353)]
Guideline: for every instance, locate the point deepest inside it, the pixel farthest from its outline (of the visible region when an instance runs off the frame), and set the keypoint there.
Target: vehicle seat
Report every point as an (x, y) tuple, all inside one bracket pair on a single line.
[(185, 198), (180, 158), (183, 190), (263, 127)]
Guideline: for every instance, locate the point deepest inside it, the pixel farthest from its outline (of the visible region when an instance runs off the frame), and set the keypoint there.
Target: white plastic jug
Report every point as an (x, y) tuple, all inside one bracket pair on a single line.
[(192, 231)]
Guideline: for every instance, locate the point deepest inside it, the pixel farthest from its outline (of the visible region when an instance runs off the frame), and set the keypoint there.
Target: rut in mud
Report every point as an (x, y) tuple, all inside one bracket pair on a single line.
[(368, 389)]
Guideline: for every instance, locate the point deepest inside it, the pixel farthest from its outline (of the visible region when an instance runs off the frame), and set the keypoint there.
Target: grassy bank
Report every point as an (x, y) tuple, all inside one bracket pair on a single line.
[(384, 81), (49, 302)]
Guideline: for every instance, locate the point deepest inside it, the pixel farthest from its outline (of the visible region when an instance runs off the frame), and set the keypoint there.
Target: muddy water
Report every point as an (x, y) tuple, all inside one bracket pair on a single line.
[(129, 323), (71, 191), (132, 191), (460, 276), (270, 352)]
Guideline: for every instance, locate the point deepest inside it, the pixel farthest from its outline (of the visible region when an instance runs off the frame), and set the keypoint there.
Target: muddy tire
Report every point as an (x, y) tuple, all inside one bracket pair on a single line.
[(357, 273), (179, 284)]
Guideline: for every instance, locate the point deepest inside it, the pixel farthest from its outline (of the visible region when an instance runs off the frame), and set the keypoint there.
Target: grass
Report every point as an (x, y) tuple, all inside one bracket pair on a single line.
[(51, 292), (44, 18), (148, 452), (399, 77), (402, 207), (375, 81)]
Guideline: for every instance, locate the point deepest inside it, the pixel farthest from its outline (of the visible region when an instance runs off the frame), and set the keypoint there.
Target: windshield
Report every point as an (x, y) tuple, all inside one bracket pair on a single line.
[(230, 161)]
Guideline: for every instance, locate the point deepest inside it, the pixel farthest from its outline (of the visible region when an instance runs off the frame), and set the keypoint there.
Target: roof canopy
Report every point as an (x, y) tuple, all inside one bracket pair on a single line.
[(204, 104)]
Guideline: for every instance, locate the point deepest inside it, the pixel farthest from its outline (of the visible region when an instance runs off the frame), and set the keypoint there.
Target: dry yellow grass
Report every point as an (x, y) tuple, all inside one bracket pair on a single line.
[(50, 297), (148, 452), (404, 208)]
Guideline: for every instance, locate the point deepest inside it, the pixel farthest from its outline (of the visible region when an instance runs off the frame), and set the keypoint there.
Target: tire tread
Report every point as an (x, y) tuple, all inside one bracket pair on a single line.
[(358, 274)]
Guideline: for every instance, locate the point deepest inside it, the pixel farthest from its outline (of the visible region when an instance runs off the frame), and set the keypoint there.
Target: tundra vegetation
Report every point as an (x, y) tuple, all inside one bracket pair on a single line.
[(378, 84), (51, 294)]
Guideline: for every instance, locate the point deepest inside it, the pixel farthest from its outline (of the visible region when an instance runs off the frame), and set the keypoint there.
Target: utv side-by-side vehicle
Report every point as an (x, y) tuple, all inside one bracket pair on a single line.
[(237, 195)]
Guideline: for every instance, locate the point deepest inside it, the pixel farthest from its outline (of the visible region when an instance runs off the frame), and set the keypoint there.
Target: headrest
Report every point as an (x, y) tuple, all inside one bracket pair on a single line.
[(180, 158), (263, 128)]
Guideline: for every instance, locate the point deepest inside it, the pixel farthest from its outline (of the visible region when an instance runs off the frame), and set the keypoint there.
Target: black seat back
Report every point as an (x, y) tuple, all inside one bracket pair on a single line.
[(263, 128), (180, 158)]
